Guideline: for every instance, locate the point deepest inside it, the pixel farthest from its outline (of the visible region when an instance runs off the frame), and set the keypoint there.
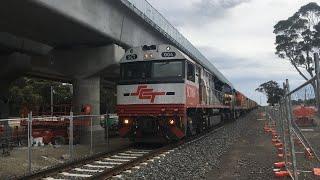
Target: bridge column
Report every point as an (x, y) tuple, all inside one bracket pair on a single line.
[(87, 91), (89, 67), (86, 65)]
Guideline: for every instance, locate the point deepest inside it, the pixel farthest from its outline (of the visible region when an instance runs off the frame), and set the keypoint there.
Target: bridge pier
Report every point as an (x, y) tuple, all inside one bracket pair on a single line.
[(87, 66), (87, 91)]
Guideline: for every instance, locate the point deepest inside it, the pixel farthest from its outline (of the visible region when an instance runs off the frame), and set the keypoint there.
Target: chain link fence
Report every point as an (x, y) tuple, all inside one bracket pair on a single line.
[(37, 143), (295, 127)]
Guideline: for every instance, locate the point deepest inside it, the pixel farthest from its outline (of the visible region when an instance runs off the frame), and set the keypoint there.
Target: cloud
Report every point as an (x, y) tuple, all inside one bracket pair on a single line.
[(195, 12), (216, 8), (247, 73), (236, 36)]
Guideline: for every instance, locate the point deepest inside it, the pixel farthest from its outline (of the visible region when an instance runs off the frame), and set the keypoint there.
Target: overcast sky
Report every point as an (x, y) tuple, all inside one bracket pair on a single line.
[(236, 36)]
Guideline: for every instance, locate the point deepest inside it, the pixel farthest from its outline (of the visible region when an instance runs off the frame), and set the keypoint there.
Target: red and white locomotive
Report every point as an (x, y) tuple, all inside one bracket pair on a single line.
[(164, 95)]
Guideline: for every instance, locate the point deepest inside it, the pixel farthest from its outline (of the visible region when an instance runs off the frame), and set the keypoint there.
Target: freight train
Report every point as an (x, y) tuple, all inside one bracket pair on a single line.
[(164, 95)]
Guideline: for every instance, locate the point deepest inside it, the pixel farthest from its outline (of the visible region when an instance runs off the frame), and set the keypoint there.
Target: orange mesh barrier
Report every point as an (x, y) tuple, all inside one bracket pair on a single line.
[(302, 111)]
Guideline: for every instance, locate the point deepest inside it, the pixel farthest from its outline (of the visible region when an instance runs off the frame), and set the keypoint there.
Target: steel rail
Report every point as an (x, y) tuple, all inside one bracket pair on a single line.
[(121, 168), (69, 165)]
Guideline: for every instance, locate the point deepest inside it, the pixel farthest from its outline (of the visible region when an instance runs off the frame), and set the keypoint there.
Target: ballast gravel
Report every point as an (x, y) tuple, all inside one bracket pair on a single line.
[(197, 159)]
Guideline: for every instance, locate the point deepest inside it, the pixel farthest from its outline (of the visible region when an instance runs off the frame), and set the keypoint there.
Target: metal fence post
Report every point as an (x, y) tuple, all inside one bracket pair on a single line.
[(91, 136), (281, 121), (51, 100), (317, 71), (107, 126), (29, 142), (290, 120), (71, 136), (285, 121), (284, 117)]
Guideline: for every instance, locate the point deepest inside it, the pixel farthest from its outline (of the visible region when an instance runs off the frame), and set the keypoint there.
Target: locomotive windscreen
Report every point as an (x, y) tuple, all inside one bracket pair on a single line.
[(167, 69), (152, 70), (135, 70)]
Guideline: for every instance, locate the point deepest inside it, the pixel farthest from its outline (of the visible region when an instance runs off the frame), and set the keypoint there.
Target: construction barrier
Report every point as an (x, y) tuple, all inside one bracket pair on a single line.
[(37, 143), (294, 127)]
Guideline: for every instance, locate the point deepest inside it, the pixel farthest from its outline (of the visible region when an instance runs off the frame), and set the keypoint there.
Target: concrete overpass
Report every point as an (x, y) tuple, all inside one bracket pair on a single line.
[(80, 41)]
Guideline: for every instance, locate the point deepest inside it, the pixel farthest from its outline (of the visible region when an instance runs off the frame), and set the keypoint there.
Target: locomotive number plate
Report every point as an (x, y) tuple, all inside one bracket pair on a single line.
[(168, 54)]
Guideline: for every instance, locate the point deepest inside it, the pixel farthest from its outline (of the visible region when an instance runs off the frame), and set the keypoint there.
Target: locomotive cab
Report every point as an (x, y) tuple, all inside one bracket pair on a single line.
[(161, 90), (151, 93)]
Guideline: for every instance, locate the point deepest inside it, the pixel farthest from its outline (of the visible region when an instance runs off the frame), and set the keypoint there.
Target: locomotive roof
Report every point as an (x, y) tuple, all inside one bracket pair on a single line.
[(163, 48)]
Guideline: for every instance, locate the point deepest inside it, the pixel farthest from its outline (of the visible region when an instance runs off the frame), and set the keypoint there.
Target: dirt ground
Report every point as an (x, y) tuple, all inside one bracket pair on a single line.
[(251, 157), (312, 134), (16, 164)]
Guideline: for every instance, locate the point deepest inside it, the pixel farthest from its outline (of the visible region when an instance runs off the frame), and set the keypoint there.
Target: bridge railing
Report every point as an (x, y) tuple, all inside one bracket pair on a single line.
[(144, 9)]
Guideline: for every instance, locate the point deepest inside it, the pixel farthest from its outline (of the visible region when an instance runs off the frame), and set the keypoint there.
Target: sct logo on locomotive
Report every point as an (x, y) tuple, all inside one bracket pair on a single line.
[(143, 92)]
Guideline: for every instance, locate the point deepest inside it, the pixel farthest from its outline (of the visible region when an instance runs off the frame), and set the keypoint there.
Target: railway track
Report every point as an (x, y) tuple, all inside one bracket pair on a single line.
[(115, 165), (104, 167)]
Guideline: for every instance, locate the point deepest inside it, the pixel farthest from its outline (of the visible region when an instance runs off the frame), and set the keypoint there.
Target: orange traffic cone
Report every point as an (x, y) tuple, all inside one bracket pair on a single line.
[(279, 145), (281, 174), (280, 150), (316, 171), (280, 155), (279, 164)]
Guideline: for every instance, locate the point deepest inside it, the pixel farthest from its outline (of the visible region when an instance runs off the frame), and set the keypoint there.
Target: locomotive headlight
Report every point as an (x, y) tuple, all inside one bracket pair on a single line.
[(171, 122), (148, 56), (168, 48), (126, 121)]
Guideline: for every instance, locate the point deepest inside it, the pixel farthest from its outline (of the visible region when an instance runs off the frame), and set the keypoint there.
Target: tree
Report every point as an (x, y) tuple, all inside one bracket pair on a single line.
[(298, 37), (272, 90), (35, 94)]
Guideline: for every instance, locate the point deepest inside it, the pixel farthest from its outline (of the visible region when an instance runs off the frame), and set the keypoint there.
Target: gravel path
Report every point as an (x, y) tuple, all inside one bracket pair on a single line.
[(208, 158), (251, 157)]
